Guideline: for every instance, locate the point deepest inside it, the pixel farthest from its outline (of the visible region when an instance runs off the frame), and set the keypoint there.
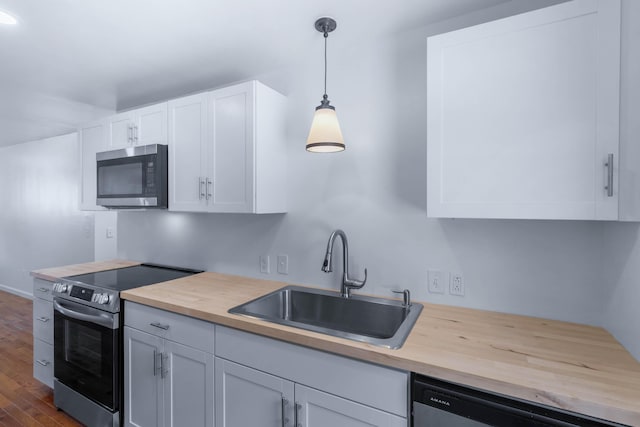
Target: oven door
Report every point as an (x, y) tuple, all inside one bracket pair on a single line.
[(86, 351)]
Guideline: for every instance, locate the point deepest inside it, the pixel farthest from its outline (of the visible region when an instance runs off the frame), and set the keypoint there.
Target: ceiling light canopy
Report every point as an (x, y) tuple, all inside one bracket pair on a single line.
[(7, 19), (325, 135)]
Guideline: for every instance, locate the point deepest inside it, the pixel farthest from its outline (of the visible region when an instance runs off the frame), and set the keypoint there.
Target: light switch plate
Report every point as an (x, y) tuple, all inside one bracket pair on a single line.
[(436, 282), (283, 264)]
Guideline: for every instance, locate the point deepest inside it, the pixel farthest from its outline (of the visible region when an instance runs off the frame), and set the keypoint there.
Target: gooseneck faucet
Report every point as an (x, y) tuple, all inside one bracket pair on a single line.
[(347, 282)]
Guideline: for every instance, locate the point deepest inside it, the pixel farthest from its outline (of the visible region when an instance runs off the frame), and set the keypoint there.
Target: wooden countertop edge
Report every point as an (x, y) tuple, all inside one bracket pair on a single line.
[(387, 358)]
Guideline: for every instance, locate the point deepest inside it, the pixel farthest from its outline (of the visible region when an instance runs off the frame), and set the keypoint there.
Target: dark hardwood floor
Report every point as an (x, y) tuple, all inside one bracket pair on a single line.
[(24, 401)]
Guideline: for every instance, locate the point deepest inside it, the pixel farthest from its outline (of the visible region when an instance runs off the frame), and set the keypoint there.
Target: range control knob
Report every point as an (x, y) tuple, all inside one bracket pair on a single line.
[(60, 287), (101, 298)]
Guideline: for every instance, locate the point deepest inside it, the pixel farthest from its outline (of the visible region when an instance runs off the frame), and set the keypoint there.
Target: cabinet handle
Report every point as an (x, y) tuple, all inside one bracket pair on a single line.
[(609, 165), (297, 416), (43, 362), (200, 191), (129, 134), (163, 358), (43, 290), (135, 134), (283, 408), (160, 325), (209, 186), (155, 361), (43, 319)]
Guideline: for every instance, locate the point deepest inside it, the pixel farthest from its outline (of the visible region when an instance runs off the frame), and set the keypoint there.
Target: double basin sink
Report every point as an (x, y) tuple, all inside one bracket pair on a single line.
[(376, 321)]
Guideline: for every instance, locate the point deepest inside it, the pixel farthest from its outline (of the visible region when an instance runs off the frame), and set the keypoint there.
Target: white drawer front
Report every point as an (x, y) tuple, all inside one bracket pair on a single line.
[(43, 320), (372, 385), (43, 289), (175, 327), (43, 362)]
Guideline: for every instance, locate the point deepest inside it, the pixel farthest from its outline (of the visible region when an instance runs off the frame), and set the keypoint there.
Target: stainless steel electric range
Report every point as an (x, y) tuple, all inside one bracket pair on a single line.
[(88, 339)]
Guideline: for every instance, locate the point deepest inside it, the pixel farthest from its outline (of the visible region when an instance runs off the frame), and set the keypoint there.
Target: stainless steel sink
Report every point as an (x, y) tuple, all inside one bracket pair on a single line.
[(377, 321)]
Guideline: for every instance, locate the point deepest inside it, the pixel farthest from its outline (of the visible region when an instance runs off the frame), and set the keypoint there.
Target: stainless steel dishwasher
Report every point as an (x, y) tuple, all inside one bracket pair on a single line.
[(437, 403)]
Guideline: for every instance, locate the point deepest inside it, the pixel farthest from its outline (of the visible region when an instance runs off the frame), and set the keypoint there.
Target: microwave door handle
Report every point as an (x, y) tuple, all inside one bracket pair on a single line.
[(98, 319)]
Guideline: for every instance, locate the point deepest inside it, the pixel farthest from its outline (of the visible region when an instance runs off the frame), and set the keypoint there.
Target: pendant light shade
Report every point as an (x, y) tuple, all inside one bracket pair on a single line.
[(325, 135)]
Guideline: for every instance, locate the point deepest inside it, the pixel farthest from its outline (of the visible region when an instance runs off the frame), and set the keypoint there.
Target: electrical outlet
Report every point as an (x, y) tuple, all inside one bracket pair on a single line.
[(436, 283), (283, 264), (110, 233), (456, 284), (264, 264)]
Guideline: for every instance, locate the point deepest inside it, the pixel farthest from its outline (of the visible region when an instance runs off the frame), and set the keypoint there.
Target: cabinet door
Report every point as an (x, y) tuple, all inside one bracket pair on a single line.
[(92, 139), (43, 362), (188, 386), (150, 126), (120, 130), (188, 142), (247, 397), (522, 114), (318, 409), (43, 320), (231, 156), (143, 393)]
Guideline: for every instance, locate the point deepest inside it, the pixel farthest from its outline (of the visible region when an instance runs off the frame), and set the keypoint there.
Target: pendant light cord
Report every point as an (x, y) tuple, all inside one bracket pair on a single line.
[(326, 36)]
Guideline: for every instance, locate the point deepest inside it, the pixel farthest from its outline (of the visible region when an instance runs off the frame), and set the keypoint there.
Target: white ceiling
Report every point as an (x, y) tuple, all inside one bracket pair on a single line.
[(68, 60)]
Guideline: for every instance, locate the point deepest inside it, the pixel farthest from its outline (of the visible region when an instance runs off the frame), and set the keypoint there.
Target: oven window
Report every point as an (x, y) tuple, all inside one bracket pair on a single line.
[(83, 348), (120, 179), (86, 359)]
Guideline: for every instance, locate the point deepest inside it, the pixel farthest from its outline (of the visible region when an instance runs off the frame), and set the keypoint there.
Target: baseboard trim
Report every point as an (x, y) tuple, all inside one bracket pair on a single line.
[(15, 291)]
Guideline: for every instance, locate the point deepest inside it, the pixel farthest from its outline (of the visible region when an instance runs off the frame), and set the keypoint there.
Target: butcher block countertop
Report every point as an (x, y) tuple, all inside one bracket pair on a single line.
[(565, 365)]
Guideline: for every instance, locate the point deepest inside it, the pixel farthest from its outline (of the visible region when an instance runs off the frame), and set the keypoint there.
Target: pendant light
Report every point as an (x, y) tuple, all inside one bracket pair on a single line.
[(325, 135)]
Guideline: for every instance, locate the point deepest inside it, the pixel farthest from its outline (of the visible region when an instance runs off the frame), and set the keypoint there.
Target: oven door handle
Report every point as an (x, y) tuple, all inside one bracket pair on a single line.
[(86, 314)]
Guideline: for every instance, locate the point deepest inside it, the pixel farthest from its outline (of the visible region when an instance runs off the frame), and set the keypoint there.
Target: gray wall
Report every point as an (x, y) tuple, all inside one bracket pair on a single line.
[(40, 224), (376, 192)]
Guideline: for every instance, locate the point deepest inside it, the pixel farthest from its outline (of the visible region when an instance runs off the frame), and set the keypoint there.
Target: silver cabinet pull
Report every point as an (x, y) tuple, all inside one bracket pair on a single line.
[(157, 367), (209, 186), (43, 319), (297, 415), (129, 134), (43, 290), (159, 326), (201, 194), (164, 358), (135, 134), (609, 165), (283, 409), (43, 362)]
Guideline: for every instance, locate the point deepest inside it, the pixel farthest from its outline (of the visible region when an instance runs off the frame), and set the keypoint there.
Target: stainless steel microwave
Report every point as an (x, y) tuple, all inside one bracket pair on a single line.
[(133, 177)]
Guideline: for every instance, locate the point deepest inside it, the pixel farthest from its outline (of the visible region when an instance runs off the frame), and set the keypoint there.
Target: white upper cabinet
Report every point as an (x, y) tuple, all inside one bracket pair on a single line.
[(92, 139), (228, 151), (188, 153), (143, 126), (523, 116)]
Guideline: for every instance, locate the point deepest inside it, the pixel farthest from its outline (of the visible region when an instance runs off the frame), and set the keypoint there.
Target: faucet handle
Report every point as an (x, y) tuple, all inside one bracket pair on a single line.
[(406, 296)]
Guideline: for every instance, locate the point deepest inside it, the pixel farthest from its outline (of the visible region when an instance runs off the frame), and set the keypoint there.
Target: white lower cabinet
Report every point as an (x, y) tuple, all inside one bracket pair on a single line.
[(170, 380), (43, 331), (318, 409), (167, 383), (262, 381), (248, 397)]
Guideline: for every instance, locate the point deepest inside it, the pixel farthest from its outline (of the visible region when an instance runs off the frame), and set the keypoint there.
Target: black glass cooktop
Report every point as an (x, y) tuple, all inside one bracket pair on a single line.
[(122, 279)]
